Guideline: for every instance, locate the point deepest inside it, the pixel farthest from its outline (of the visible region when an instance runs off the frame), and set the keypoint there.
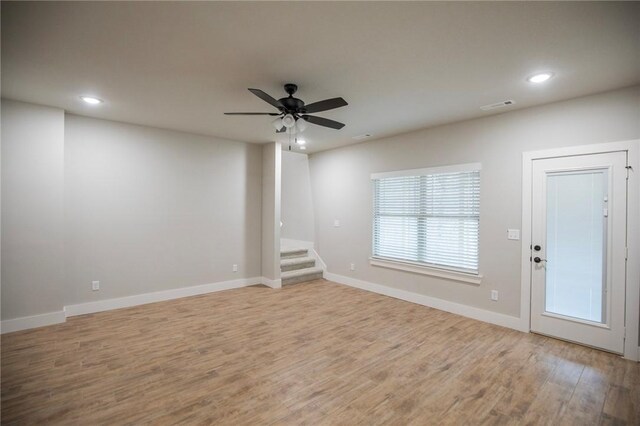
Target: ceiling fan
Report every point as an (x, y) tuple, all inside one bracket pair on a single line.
[(293, 114)]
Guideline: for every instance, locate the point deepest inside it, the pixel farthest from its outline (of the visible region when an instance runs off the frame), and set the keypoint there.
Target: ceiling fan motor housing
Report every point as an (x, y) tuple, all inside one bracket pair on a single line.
[(291, 104)]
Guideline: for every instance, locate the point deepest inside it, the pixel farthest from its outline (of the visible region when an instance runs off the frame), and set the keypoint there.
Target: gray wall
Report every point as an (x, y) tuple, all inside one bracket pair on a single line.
[(342, 187), (297, 203), (137, 208), (271, 174), (32, 209), (149, 209)]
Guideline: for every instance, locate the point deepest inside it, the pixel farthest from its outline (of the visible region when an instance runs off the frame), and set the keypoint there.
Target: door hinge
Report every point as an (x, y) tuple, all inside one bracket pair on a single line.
[(626, 253), (628, 168)]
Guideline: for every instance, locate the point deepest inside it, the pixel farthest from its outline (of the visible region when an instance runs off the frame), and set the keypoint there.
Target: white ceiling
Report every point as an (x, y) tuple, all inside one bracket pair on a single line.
[(401, 66)]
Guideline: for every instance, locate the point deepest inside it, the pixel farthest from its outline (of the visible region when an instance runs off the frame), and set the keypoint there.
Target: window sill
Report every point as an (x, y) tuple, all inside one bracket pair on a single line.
[(425, 270)]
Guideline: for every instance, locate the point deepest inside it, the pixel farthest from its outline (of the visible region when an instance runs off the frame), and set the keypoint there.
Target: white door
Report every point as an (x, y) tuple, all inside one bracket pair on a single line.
[(579, 248)]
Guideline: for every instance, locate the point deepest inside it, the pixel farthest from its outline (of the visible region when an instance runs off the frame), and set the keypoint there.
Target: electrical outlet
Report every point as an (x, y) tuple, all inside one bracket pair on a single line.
[(336, 223), (353, 267), (95, 285), (235, 267), (494, 295)]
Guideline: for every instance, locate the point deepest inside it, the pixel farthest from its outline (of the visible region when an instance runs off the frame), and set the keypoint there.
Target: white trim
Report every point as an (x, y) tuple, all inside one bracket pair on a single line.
[(34, 321), (271, 283), (157, 296), (432, 302), (525, 238), (632, 309), (426, 270), (428, 171), (58, 317), (319, 260)]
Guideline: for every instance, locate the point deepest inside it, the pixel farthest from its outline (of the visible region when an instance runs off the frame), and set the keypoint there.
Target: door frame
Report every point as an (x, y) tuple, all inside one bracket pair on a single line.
[(632, 285)]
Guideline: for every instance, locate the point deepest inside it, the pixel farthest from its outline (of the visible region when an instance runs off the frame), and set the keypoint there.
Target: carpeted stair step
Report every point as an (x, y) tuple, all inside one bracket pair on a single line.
[(301, 275), (293, 252), (293, 263)]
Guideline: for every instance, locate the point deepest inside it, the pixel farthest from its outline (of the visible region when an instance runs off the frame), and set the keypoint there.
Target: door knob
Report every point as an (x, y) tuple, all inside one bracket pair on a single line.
[(538, 260), (537, 248)]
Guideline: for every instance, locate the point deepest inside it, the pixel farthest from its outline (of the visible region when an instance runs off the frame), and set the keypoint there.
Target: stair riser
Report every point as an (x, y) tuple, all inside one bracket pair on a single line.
[(301, 279), (309, 264), (292, 255)]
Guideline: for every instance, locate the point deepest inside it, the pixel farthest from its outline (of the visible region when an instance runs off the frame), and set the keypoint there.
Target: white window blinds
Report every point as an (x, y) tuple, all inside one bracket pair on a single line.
[(428, 216)]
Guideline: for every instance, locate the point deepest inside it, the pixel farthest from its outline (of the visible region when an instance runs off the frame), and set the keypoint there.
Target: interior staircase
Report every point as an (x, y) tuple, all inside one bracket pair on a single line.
[(297, 266)]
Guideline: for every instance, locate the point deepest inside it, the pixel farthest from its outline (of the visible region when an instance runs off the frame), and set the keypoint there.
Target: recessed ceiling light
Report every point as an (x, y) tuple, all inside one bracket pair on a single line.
[(301, 141), (303, 148), (91, 100), (540, 78)]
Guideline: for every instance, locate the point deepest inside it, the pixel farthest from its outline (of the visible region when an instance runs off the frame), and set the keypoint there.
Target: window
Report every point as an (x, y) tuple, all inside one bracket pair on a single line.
[(428, 217)]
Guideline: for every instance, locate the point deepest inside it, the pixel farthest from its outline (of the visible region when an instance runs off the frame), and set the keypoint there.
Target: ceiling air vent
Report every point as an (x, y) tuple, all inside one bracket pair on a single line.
[(360, 137), (497, 105)]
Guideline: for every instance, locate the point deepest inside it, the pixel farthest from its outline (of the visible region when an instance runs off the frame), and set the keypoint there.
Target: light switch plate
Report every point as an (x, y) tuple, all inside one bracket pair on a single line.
[(336, 223), (513, 234)]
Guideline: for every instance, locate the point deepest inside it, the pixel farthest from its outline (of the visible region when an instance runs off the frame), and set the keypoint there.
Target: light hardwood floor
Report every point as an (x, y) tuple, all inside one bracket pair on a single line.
[(313, 353)]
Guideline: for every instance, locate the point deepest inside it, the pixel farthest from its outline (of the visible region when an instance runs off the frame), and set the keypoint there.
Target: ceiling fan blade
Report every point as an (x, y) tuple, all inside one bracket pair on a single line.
[(325, 105), (265, 97), (323, 122), (252, 113)]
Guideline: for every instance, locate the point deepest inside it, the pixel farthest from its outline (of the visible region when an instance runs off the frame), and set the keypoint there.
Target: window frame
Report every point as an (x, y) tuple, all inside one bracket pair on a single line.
[(441, 271)]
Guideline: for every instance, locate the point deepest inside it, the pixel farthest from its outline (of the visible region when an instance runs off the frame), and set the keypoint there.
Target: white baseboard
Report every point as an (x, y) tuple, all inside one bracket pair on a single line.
[(24, 323), (34, 321), (271, 283), (157, 296), (433, 302)]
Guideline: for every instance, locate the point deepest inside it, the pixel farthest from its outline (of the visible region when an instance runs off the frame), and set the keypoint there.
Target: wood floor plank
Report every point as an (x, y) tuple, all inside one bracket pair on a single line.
[(313, 353)]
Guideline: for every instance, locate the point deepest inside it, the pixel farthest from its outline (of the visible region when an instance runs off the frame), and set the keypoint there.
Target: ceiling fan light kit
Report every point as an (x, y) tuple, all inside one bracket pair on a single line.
[(288, 121), (293, 114), (277, 123), (301, 125)]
